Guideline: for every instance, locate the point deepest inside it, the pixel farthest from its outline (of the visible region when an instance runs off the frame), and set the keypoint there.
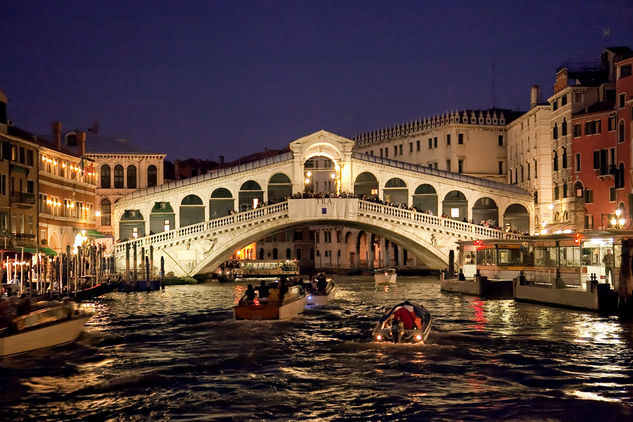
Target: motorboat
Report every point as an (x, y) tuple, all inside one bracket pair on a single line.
[(45, 324), (385, 276), (292, 305), (90, 292), (406, 322), (322, 297)]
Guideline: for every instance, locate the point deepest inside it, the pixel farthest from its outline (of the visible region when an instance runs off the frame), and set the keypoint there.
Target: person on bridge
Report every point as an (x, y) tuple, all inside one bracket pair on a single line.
[(263, 292)]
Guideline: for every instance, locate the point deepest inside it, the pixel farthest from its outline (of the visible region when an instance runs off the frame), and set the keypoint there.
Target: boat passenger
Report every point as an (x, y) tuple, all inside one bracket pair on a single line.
[(321, 283), (250, 293), (263, 292), (404, 315)]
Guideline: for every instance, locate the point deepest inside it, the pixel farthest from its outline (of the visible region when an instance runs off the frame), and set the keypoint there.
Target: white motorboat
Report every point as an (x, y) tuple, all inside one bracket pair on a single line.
[(322, 297), (406, 322), (48, 324), (385, 276)]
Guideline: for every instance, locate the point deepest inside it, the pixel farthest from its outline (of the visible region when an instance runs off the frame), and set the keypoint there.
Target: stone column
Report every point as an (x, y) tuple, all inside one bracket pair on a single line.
[(386, 254)]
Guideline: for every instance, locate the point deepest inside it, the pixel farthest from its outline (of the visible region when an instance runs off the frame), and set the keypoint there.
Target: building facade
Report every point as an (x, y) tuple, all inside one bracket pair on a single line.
[(529, 158), (67, 183), (602, 154), (472, 142)]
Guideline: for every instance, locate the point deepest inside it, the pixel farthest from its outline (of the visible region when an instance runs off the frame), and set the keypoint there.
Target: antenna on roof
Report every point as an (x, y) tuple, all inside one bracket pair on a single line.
[(494, 81)]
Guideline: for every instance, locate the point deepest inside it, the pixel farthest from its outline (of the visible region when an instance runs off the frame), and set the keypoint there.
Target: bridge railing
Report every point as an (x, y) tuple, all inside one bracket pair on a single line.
[(419, 217), (193, 229), (282, 207)]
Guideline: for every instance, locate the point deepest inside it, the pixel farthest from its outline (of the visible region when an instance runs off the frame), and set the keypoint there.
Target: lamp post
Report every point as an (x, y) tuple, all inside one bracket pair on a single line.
[(618, 221)]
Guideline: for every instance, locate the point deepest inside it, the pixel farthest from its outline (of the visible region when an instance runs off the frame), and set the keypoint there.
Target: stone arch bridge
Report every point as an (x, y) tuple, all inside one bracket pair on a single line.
[(196, 224)]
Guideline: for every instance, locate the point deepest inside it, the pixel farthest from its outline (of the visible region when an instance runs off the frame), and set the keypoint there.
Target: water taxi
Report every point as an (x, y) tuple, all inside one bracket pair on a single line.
[(292, 305), (46, 324), (406, 322), (322, 297), (385, 276)]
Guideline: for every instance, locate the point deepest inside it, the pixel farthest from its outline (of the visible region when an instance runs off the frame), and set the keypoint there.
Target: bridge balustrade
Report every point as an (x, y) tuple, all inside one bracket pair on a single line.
[(281, 209)]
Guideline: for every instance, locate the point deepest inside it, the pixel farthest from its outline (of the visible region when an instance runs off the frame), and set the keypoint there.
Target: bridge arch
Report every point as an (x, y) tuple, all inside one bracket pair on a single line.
[(221, 203), (455, 205), (396, 192), (366, 185), (425, 198), (131, 222), (517, 218), (191, 210), (279, 187), (485, 209), (162, 217), (250, 195)]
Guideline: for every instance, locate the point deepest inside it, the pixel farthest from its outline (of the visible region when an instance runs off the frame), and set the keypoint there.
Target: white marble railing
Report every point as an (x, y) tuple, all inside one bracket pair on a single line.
[(281, 209), (432, 220)]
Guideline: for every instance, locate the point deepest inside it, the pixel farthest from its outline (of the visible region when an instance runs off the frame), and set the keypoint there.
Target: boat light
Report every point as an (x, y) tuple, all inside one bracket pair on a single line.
[(418, 337), (310, 297), (256, 301), (379, 337)]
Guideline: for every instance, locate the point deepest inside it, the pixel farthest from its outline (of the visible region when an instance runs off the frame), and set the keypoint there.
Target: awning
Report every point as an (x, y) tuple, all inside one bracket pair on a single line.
[(95, 233), (48, 251)]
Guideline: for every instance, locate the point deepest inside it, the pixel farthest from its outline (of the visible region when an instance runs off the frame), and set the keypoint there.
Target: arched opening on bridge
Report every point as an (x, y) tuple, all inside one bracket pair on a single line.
[(279, 188), (485, 211), (191, 211), (221, 203), (396, 192), (321, 175), (131, 222), (455, 205), (162, 218), (366, 185), (425, 199), (516, 218), (250, 196)]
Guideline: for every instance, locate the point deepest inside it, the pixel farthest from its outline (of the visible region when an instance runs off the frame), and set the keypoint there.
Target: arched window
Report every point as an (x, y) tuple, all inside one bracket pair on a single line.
[(131, 177), (105, 176), (118, 176), (106, 212), (152, 176), (555, 131), (563, 126)]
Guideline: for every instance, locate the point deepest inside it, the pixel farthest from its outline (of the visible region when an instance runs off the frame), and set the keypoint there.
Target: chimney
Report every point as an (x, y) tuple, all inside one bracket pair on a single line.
[(221, 161), (535, 94), (57, 132), (81, 142), (176, 169)]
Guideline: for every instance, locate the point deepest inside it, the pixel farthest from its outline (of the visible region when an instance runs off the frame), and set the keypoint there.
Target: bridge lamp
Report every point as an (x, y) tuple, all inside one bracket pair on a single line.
[(309, 174), (307, 181), (98, 213), (166, 223), (333, 176)]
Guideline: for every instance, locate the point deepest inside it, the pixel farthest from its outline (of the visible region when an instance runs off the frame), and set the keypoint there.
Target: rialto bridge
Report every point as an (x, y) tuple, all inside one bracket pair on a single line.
[(196, 224)]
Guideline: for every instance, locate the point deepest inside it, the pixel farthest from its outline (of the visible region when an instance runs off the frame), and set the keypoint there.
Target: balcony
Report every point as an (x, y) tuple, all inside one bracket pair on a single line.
[(22, 199)]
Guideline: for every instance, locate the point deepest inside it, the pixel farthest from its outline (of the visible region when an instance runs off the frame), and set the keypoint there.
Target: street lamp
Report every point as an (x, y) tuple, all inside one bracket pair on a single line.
[(618, 221)]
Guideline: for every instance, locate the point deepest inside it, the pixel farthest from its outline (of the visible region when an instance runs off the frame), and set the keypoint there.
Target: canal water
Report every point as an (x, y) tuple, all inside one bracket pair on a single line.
[(178, 355)]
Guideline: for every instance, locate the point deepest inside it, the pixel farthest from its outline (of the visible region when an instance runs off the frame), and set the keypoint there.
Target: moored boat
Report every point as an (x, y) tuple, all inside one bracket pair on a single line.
[(406, 322), (47, 324), (322, 297), (385, 276), (290, 306), (96, 290)]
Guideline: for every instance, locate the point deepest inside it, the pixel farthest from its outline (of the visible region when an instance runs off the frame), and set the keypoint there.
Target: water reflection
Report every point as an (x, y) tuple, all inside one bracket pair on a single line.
[(178, 354)]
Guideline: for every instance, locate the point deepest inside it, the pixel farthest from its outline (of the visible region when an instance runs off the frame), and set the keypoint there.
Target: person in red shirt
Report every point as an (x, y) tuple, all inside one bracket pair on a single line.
[(405, 317)]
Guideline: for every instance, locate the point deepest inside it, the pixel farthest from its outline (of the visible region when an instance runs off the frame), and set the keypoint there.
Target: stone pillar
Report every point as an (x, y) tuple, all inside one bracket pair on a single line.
[(386, 254), (370, 253)]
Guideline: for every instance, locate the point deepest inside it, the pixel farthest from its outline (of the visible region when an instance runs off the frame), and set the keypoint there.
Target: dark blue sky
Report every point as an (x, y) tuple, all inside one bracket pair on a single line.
[(209, 78)]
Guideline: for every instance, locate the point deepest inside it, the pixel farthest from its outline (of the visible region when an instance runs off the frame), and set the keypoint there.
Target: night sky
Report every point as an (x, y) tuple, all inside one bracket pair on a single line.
[(209, 78)]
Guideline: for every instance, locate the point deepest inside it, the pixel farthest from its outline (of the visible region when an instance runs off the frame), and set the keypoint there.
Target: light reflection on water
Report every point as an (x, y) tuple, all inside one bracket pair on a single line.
[(177, 354)]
